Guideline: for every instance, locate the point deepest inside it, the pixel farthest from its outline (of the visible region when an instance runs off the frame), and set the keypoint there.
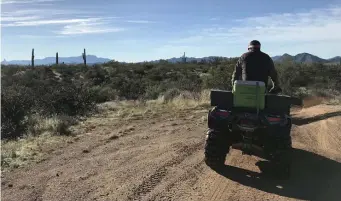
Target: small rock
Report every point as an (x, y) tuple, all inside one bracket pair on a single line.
[(86, 151), (191, 117), (23, 187), (10, 185), (113, 137)]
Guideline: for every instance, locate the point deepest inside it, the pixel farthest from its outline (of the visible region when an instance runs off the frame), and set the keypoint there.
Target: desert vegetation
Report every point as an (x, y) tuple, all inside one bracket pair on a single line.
[(62, 91)]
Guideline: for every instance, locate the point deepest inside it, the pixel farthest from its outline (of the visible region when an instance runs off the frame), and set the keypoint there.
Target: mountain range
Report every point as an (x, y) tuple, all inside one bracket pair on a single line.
[(306, 58), (299, 58), (92, 59)]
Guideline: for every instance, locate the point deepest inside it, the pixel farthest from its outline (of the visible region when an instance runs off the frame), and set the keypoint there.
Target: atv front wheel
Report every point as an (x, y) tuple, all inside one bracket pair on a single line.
[(216, 148)]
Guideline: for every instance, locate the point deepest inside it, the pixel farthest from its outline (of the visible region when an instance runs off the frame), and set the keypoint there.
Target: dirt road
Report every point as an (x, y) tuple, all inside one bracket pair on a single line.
[(160, 157)]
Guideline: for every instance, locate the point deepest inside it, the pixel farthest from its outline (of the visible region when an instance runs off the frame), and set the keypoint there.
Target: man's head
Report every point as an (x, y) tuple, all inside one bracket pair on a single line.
[(254, 46)]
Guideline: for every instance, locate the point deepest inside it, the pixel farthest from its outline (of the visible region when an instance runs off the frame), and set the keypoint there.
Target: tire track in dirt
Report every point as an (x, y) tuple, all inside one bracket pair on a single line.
[(191, 173), (219, 182), (152, 181), (164, 161)]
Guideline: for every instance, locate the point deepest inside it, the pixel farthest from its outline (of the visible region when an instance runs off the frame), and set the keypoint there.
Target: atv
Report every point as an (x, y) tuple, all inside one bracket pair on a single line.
[(250, 119)]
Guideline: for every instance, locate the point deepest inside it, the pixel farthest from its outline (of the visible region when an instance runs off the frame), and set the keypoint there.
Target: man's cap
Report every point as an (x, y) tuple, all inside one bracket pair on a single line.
[(254, 44)]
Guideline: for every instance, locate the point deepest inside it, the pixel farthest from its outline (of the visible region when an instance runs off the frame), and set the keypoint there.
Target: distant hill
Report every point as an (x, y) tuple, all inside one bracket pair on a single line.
[(306, 58), (90, 59), (300, 58), (335, 59), (188, 59)]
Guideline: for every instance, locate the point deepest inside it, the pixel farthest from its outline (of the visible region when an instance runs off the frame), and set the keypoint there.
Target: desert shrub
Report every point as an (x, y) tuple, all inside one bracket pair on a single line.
[(102, 94), (38, 91), (74, 89), (171, 94), (16, 103), (53, 125), (219, 78), (152, 92)]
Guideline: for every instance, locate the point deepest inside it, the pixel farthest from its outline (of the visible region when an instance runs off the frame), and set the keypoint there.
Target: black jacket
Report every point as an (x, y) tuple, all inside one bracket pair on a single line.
[(255, 66)]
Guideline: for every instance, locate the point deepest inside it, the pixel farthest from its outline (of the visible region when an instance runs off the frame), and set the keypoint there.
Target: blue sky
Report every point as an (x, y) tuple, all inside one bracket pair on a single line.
[(136, 30)]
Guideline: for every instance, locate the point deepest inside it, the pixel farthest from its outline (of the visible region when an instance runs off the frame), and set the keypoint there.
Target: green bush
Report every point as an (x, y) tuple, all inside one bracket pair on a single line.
[(74, 89), (38, 91), (102, 94), (16, 103)]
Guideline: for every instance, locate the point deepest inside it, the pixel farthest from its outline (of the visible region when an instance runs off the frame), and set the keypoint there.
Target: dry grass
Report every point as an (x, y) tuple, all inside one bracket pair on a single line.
[(334, 98), (42, 135), (139, 109), (334, 101), (312, 101), (185, 100), (55, 125), (26, 150), (317, 97)]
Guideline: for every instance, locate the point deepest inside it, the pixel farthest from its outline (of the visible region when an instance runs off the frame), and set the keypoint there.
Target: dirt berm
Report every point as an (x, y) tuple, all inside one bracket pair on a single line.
[(160, 157)]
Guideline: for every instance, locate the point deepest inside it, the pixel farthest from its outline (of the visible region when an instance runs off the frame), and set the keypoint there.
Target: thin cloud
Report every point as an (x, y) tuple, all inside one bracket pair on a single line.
[(27, 1), (62, 22), (28, 36), (315, 25), (88, 28), (139, 21), (49, 22), (19, 18), (43, 12)]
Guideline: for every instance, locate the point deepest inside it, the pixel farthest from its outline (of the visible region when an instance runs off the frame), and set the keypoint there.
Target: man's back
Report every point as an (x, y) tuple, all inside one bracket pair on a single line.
[(255, 65)]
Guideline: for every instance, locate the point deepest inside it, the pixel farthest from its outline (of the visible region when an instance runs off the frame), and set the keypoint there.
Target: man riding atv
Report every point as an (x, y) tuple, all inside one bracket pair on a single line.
[(250, 119), (256, 65)]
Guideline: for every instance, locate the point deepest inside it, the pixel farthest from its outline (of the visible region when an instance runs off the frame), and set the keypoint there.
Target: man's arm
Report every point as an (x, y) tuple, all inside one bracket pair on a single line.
[(237, 73), (273, 74)]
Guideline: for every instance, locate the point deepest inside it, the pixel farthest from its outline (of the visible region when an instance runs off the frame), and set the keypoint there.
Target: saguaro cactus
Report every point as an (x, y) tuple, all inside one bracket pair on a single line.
[(57, 59), (84, 57), (32, 58), (184, 58)]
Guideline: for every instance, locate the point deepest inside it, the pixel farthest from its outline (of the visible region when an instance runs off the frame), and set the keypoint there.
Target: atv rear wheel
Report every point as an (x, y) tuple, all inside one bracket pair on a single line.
[(216, 148)]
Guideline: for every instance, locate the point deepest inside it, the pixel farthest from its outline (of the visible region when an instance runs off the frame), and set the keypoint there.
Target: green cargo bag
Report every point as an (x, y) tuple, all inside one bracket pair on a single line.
[(249, 94)]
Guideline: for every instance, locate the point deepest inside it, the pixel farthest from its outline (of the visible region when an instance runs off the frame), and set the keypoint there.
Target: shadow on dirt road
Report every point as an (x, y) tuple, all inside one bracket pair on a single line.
[(303, 121), (314, 177)]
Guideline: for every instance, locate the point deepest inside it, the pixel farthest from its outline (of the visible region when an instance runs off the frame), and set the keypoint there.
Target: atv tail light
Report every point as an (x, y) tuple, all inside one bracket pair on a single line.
[(223, 113), (243, 121), (274, 119)]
